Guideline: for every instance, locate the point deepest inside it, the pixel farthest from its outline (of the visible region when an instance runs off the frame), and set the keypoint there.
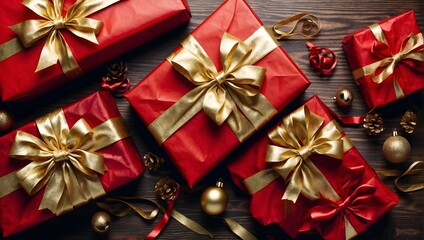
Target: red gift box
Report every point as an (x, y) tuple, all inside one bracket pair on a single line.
[(18, 210), (387, 59), (327, 200), (198, 144), (126, 25)]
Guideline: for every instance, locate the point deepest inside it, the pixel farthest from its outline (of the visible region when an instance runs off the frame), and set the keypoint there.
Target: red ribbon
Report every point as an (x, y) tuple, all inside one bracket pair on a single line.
[(348, 120), (162, 223), (359, 207), (319, 58)]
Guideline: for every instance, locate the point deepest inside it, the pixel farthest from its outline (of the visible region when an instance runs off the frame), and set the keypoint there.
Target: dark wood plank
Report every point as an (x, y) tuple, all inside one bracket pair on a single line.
[(339, 19)]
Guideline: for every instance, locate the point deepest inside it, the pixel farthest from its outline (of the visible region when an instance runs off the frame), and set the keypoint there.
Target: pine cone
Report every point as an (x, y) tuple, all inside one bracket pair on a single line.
[(373, 123), (116, 80), (167, 188), (152, 161), (409, 121), (117, 72)]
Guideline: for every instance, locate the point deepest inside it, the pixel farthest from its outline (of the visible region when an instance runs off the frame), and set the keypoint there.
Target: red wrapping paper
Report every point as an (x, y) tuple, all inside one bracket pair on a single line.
[(19, 211), (408, 73), (200, 144), (267, 207), (126, 25)]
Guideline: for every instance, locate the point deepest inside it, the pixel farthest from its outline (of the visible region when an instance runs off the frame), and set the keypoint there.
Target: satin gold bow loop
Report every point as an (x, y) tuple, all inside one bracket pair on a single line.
[(63, 160), (301, 135), (75, 20)]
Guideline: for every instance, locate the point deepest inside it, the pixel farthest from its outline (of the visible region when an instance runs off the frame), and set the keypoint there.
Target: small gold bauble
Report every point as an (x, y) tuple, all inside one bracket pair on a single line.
[(396, 149), (6, 121), (344, 97), (100, 222), (214, 200)]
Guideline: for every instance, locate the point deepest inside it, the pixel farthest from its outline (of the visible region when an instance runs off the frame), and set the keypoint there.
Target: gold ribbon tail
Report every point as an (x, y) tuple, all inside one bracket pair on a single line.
[(122, 206), (401, 174), (190, 224), (239, 230)]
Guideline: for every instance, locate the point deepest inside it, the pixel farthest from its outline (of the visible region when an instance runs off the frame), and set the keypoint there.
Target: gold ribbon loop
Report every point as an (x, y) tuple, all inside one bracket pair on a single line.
[(231, 95), (64, 160), (55, 48), (311, 26), (401, 174), (412, 48)]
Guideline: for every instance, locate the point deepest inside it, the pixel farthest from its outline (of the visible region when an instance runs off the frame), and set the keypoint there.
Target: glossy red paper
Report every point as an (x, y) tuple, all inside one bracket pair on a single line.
[(19, 211), (126, 25), (200, 144), (409, 73), (266, 205)]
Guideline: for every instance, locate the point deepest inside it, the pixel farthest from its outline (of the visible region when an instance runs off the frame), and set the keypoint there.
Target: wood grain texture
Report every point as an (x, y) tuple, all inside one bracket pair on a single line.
[(339, 18)]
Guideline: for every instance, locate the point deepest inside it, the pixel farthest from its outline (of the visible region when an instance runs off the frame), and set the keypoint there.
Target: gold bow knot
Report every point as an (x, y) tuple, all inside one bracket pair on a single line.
[(63, 159), (75, 20), (299, 136), (237, 77), (413, 49), (231, 95)]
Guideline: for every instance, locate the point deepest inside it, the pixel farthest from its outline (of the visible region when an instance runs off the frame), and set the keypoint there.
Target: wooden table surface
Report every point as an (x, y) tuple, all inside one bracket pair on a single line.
[(339, 18)]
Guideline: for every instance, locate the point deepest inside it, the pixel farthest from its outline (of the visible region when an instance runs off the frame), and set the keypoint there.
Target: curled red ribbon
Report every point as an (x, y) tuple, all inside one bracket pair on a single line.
[(322, 59)]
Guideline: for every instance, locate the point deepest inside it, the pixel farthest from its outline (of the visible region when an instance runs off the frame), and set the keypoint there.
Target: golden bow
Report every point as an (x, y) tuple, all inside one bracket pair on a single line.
[(64, 160), (237, 77), (413, 48), (55, 48), (222, 95), (301, 135)]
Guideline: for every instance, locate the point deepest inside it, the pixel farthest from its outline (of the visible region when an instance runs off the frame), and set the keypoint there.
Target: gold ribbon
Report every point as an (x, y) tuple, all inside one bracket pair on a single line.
[(401, 174), (412, 49), (64, 160), (30, 32), (311, 26), (239, 230), (121, 206), (299, 136), (231, 95)]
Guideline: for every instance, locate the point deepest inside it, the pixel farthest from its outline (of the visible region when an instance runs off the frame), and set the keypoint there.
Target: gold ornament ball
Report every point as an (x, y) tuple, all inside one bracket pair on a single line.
[(344, 97), (6, 121), (396, 149), (100, 222), (214, 200)]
